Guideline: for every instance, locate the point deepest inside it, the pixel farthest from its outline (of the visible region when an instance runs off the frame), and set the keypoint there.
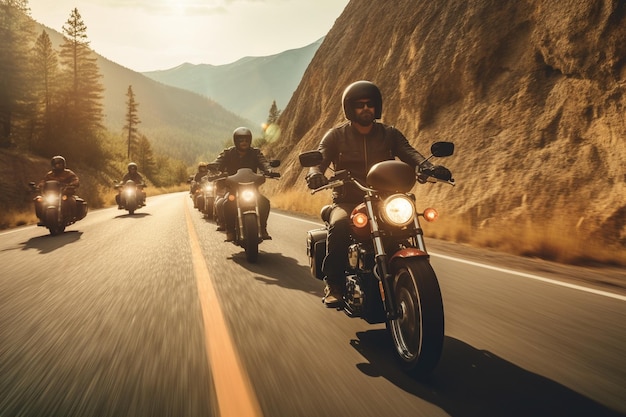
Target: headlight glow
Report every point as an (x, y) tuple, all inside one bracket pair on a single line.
[(51, 198), (248, 195), (398, 210)]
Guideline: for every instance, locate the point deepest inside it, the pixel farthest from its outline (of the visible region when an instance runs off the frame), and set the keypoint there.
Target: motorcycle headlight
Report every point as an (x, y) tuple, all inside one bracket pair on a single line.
[(51, 198), (247, 196), (398, 210)]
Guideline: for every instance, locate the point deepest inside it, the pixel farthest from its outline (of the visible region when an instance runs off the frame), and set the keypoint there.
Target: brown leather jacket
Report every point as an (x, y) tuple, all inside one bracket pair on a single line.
[(67, 177), (345, 148)]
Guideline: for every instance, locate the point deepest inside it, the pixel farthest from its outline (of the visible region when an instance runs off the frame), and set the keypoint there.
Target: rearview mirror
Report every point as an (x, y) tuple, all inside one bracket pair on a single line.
[(274, 163), (310, 158), (440, 149)]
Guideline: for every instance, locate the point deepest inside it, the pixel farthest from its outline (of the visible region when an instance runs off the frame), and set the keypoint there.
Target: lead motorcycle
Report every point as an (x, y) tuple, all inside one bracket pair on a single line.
[(131, 195), (57, 207), (243, 188), (388, 276)]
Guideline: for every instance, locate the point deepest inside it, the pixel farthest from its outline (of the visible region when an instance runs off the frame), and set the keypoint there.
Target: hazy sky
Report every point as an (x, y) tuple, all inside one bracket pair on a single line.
[(146, 35)]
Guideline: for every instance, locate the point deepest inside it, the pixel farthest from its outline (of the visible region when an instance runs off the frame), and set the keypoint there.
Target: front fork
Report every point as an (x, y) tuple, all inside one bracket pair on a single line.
[(385, 280)]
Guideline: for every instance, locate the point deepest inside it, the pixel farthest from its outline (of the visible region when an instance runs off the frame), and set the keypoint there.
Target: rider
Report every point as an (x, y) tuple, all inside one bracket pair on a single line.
[(242, 155), (195, 181), (65, 176), (355, 145), (133, 175)]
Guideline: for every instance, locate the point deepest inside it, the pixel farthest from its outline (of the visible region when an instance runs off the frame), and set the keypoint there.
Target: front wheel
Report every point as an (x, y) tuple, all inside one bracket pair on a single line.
[(251, 236), (52, 222), (418, 331)]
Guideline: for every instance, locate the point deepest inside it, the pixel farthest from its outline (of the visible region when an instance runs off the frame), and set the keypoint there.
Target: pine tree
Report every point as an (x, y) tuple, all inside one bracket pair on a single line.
[(274, 114), (145, 157), (15, 34), (45, 74), (132, 120), (81, 124)]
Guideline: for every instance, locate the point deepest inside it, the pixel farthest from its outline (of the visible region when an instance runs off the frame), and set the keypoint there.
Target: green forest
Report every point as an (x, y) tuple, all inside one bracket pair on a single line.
[(51, 103)]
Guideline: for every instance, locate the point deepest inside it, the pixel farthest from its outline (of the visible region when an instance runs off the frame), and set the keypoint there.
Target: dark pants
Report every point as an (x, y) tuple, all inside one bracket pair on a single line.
[(338, 240), (227, 211)]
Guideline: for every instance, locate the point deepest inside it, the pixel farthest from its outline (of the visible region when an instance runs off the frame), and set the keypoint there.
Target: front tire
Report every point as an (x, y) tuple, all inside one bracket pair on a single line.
[(52, 222), (251, 237), (418, 331)]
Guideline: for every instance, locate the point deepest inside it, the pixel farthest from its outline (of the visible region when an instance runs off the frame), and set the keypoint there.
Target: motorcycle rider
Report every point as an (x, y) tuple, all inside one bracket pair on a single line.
[(195, 181), (242, 155), (355, 145), (133, 175), (59, 172)]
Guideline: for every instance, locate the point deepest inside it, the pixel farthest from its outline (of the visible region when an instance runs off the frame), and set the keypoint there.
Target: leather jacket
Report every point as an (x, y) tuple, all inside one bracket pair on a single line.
[(345, 148), (230, 160)]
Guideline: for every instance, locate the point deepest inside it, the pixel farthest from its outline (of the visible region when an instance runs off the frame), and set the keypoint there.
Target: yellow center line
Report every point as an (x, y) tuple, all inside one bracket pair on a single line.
[(235, 396)]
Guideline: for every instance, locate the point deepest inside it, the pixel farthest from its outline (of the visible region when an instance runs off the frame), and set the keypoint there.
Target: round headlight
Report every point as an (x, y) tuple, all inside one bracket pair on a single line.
[(248, 195), (398, 210)]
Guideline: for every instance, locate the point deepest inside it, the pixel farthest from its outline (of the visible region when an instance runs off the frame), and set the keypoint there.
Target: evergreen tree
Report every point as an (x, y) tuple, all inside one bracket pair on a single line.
[(81, 121), (271, 131), (132, 120), (145, 157), (15, 35), (45, 74), (274, 114)]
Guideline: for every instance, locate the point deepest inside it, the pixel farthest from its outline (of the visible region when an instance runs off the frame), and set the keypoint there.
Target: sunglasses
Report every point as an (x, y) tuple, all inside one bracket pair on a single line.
[(362, 104)]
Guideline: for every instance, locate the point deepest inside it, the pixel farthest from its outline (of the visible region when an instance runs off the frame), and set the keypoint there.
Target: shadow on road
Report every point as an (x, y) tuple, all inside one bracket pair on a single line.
[(277, 269), (471, 382), (48, 243), (136, 215)]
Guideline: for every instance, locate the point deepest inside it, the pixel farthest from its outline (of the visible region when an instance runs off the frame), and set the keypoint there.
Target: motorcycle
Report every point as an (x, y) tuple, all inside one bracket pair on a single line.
[(205, 199), (388, 276), (57, 207), (243, 188), (131, 195)]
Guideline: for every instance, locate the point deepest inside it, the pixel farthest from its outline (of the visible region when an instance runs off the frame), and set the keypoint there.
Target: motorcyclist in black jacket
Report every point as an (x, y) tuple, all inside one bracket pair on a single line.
[(355, 146), (241, 155)]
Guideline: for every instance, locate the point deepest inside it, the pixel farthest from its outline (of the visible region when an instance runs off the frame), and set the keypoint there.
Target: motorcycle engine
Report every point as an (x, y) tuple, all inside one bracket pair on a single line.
[(354, 296)]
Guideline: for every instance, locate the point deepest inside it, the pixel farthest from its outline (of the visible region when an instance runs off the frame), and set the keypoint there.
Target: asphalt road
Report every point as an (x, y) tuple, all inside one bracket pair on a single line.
[(154, 315)]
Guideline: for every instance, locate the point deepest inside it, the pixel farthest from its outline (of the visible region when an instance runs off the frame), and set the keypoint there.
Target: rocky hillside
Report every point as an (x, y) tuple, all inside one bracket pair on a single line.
[(532, 92)]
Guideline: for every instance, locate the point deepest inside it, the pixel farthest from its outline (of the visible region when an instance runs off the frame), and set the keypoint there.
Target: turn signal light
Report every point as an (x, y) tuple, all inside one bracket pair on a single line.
[(430, 214), (360, 220)]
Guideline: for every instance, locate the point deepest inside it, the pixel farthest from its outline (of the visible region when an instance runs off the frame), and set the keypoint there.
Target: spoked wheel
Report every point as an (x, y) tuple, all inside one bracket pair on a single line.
[(251, 237), (418, 331)]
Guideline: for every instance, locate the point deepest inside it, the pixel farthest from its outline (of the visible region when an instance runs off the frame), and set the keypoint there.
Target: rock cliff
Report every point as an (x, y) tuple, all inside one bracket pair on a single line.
[(531, 92)]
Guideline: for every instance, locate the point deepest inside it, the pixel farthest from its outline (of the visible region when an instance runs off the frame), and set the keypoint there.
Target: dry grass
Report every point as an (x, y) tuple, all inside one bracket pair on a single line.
[(553, 240)]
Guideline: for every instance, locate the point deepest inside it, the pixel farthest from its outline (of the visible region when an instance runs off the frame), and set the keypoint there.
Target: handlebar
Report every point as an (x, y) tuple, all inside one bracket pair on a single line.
[(342, 177)]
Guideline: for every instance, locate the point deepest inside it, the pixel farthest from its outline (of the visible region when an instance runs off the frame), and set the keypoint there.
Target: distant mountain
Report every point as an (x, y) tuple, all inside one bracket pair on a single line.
[(179, 123), (248, 86)]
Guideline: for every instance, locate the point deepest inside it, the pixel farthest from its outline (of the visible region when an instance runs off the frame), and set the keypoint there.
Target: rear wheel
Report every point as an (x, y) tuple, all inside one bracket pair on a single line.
[(418, 331), (251, 236)]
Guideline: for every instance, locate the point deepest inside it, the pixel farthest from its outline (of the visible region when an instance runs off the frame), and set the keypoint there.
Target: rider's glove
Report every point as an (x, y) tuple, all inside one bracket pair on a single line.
[(436, 171), (316, 181)]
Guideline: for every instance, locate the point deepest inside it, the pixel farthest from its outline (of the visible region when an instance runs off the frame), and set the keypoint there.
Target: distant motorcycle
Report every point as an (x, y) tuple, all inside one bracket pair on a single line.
[(388, 276), (243, 187), (205, 198), (57, 207), (131, 195)]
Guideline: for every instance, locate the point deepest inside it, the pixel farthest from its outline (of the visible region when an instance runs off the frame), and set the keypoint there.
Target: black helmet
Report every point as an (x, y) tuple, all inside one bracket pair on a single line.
[(359, 90), (132, 165), (55, 160), (241, 134)]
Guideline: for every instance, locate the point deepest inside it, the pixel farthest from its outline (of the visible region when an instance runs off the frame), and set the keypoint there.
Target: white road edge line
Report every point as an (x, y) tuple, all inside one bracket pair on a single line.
[(494, 268)]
